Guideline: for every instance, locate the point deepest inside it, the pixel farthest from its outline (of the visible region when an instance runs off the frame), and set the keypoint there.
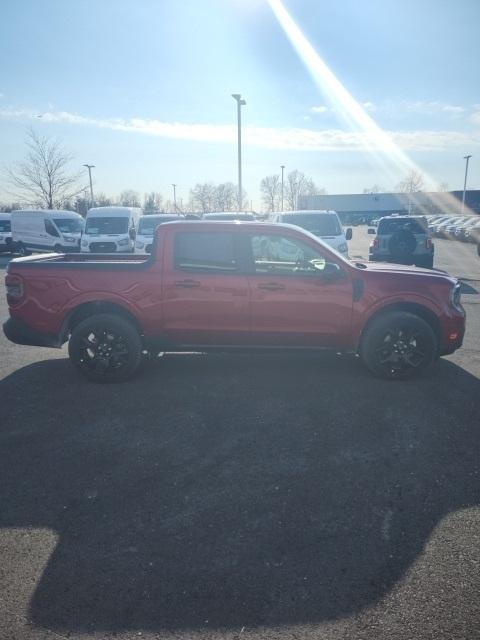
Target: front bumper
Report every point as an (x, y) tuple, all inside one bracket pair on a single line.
[(20, 333)]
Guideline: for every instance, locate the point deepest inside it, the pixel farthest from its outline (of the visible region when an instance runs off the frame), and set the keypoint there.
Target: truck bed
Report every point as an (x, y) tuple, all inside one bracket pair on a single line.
[(79, 260)]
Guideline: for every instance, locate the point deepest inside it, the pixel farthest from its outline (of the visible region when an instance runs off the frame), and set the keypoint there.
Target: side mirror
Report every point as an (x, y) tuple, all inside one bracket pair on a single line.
[(371, 232), (331, 272), (348, 234), (132, 233)]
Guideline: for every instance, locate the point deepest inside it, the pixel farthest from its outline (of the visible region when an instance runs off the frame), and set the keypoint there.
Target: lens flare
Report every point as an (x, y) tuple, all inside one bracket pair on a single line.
[(385, 153)]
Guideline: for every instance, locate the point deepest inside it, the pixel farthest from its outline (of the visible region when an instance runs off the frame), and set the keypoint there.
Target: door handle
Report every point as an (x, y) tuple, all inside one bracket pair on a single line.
[(187, 284), (271, 286)]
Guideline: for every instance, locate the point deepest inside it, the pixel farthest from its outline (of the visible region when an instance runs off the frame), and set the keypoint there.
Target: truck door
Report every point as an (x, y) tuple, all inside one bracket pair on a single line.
[(299, 297), (205, 294)]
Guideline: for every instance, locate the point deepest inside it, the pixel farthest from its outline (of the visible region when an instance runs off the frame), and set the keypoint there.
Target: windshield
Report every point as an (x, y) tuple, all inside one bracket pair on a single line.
[(67, 225), (5, 226), (320, 224), (106, 226), (148, 225)]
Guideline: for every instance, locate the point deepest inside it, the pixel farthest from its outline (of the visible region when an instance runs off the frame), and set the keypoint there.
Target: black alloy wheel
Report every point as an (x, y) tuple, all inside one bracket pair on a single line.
[(105, 348), (398, 345)]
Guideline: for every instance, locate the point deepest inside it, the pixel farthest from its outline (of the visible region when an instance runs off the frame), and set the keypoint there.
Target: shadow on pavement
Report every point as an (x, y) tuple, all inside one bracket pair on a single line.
[(222, 492)]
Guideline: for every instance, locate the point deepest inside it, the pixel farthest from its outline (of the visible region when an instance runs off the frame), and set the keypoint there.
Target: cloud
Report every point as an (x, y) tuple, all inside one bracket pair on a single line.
[(319, 109), (300, 139), (475, 117), (450, 108)]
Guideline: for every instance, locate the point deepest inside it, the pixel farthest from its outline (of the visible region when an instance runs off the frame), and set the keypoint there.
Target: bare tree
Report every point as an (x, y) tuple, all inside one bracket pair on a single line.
[(294, 187), (43, 178), (311, 189), (374, 189), (130, 198), (153, 202), (225, 197), (203, 196), (270, 188), (443, 187), (101, 200), (412, 183)]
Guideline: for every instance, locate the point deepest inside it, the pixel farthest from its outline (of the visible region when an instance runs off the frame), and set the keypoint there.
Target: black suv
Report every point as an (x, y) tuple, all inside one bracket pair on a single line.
[(403, 240)]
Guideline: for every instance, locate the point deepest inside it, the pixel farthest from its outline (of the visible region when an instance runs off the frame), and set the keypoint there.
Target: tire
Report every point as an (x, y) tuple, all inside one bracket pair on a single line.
[(22, 250), (425, 263), (398, 345), (105, 348)]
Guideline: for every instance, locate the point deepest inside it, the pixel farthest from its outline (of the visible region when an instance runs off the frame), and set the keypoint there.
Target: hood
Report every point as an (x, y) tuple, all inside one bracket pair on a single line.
[(387, 267)]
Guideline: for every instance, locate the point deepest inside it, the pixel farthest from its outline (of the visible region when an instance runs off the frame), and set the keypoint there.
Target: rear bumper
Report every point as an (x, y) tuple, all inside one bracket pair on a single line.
[(20, 333)]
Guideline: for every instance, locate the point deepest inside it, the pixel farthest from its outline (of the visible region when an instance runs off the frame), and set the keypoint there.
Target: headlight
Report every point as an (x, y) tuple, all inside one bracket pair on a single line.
[(343, 248), (122, 243), (84, 243), (455, 296), (139, 244)]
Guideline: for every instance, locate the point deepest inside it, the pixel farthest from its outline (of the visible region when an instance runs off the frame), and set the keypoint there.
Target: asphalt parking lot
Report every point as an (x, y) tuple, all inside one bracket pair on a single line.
[(277, 496)]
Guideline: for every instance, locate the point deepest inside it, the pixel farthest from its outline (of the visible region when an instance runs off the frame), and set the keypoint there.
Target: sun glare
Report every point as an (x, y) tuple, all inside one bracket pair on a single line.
[(386, 154)]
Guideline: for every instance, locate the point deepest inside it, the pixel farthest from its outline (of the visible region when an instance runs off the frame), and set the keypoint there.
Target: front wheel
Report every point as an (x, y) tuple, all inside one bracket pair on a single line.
[(105, 348), (398, 345)]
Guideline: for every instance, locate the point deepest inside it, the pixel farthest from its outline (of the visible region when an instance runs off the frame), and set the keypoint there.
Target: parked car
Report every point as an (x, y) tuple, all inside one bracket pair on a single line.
[(6, 243), (403, 240), (323, 224), (230, 285), (472, 234), (461, 229), (110, 229), (146, 229), (46, 230)]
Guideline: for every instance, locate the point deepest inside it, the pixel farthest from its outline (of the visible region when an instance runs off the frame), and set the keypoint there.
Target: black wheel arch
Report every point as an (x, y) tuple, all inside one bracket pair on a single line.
[(410, 307), (92, 308)]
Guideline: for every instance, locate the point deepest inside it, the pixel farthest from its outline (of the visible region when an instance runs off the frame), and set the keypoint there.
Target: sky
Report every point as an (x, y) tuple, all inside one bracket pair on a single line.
[(142, 90)]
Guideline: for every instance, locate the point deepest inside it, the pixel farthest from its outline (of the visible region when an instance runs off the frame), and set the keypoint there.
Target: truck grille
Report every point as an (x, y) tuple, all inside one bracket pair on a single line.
[(103, 247)]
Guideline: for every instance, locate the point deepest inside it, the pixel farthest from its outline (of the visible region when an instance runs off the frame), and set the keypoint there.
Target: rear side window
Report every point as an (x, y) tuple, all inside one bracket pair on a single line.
[(401, 224), (5, 226), (206, 252)]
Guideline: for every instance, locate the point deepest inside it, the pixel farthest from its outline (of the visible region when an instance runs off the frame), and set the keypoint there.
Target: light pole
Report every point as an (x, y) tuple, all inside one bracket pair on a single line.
[(240, 104), (90, 167), (174, 197), (282, 167), (466, 158)]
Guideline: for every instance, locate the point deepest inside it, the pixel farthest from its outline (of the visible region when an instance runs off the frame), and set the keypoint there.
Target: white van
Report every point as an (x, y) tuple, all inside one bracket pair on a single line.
[(6, 244), (146, 229), (324, 224), (110, 229), (46, 230)]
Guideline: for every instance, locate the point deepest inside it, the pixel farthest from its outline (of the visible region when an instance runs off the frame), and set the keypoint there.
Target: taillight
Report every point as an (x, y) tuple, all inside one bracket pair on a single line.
[(428, 243), (14, 287), (376, 243)]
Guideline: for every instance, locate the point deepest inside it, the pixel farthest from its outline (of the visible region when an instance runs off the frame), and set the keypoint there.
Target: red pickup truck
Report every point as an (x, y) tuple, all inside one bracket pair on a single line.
[(224, 285)]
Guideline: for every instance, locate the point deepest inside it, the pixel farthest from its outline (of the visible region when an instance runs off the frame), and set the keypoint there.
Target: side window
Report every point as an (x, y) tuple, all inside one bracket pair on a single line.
[(50, 229), (205, 252), (280, 255)]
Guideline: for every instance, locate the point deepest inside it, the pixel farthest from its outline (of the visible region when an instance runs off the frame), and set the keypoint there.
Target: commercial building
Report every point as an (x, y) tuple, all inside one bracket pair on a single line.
[(363, 207)]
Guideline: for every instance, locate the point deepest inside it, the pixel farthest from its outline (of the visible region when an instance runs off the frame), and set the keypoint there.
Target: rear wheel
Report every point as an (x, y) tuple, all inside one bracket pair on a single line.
[(398, 345), (105, 348), (22, 250)]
